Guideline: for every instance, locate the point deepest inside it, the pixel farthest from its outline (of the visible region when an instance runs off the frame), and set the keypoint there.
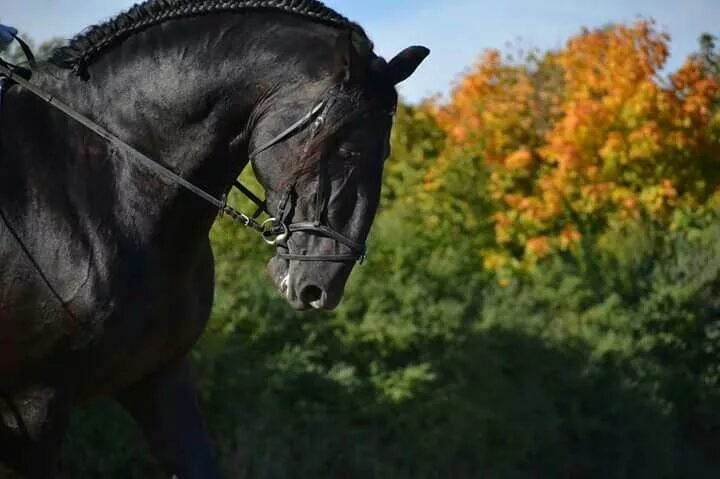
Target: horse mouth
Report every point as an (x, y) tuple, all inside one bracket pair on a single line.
[(285, 285), (280, 272)]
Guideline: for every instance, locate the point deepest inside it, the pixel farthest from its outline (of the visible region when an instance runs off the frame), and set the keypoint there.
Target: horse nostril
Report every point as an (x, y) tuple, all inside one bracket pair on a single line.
[(311, 294)]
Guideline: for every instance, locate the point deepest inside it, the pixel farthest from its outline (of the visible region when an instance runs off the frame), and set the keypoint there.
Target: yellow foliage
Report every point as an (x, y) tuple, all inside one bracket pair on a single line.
[(590, 130)]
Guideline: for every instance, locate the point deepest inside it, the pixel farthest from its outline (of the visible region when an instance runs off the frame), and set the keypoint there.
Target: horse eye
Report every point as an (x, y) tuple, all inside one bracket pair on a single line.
[(347, 152)]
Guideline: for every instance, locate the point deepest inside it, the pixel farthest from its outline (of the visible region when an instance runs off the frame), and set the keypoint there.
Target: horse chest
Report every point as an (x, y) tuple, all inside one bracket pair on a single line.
[(155, 320)]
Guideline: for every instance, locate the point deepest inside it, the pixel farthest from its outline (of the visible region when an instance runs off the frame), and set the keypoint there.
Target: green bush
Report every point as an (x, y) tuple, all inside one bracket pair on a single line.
[(608, 371)]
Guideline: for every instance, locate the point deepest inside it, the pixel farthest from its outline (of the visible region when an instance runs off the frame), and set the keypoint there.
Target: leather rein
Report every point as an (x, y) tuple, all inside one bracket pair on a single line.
[(276, 230)]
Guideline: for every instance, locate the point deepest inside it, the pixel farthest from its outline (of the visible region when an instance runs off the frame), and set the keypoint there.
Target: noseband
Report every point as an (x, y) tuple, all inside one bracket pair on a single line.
[(279, 229)]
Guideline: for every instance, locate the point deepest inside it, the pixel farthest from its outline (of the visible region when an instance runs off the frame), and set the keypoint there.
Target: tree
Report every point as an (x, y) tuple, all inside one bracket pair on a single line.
[(584, 138), (709, 53)]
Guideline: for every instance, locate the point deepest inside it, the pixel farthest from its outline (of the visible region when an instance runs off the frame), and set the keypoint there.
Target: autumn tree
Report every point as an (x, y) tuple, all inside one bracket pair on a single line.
[(584, 138)]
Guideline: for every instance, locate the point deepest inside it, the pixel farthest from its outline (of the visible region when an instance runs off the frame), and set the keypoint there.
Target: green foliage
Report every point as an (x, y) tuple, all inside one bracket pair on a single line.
[(416, 142)]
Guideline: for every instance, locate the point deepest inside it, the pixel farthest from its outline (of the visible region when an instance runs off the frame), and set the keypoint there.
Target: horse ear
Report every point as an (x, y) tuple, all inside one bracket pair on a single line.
[(406, 62), (348, 59)]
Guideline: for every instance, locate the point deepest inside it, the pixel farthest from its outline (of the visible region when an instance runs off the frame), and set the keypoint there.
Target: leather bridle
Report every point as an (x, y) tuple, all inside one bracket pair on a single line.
[(279, 228)]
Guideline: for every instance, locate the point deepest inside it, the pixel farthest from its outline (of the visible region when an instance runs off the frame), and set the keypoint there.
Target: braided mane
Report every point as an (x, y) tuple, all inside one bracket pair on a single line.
[(90, 44)]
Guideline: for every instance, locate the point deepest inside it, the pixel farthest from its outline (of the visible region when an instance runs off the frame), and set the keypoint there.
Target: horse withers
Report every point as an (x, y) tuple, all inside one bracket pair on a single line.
[(107, 271)]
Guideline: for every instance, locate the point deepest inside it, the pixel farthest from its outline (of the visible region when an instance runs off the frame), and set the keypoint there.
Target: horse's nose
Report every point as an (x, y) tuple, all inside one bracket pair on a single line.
[(314, 296)]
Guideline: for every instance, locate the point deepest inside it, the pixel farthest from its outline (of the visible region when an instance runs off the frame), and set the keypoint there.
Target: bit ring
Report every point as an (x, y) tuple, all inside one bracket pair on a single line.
[(267, 231)]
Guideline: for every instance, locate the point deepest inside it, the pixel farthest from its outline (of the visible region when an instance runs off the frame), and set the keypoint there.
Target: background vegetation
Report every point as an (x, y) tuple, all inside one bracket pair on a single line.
[(541, 299)]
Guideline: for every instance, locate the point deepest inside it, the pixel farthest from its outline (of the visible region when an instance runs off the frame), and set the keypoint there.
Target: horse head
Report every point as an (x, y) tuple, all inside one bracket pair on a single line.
[(322, 173)]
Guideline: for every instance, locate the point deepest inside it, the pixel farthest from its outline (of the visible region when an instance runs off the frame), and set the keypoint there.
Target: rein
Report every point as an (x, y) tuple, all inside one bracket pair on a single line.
[(276, 230), (141, 158)]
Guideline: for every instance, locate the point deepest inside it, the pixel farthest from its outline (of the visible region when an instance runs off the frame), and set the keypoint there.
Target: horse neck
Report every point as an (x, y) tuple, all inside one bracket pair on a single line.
[(179, 103)]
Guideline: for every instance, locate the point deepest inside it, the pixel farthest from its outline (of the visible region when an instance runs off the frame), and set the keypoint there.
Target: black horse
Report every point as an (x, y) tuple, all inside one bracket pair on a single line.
[(106, 271)]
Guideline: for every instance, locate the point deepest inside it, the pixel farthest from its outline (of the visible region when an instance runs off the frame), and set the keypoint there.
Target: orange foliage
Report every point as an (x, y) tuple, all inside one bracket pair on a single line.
[(590, 130)]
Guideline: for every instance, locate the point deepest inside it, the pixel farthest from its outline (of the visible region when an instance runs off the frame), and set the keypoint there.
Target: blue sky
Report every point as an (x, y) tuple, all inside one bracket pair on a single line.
[(455, 30)]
